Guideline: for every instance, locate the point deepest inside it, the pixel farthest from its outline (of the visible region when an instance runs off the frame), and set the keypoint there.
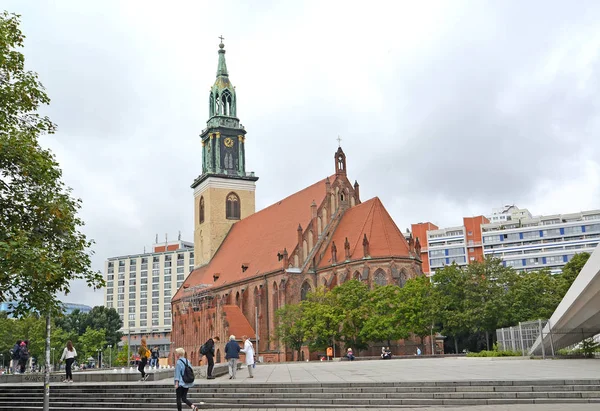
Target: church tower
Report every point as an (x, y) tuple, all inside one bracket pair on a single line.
[(224, 192)]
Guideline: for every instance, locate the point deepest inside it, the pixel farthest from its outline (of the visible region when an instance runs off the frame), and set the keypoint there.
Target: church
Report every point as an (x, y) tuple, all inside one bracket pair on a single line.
[(249, 264)]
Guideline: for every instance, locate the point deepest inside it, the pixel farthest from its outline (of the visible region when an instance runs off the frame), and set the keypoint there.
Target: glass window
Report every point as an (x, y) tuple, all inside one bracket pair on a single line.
[(132, 281), (155, 301), (154, 315), (155, 280), (121, 304), (167, 307), (573, 230), (531, 234), (167, 292), (167, 314), (168, 279), (167, 271), (155, 293), (132, 310), (143, 301), (143, 316), (155, 272), (180, 270), (110, 284), (131, 298), (167, 321), (143, 288), (180, 277), (155, 323), (144, 309), (155, 307), (121, 290), (167, 286), (143, 323), (110, 291), (131, 324), (156, 286)]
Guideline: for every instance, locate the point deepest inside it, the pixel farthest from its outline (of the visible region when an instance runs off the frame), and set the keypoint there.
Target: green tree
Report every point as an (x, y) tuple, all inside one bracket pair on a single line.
[(121, 356), (530, 296), (417, 307), (91, 341), (108, 319), (321, 320), (571, 270), (384, 322), (41, 247), (350, 303), (290, 327)]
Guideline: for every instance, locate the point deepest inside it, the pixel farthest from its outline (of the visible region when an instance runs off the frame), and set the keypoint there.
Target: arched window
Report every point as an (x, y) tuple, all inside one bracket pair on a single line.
[(226, 101), (237, 298), (217, 105), (232, 210), (403, 278), (211, 105), (380, 278), (256, 300), (304, 291), (201, 210)]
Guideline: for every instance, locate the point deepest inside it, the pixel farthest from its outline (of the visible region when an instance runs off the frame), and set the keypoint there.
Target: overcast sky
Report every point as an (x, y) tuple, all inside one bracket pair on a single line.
[(445, 108)]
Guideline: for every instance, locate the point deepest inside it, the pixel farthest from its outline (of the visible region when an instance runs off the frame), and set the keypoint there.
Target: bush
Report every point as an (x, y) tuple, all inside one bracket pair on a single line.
[(495, 354)]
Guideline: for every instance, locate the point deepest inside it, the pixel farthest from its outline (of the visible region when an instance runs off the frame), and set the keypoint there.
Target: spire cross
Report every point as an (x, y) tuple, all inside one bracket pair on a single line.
[(339, 140), (222, 38)]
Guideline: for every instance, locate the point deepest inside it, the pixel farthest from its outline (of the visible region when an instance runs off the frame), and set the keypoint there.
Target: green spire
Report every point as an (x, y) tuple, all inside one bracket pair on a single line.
[(222, 69)]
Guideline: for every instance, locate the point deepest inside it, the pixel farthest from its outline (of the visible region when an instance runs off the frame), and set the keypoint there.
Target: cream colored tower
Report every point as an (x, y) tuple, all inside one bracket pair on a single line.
[(224, 192)]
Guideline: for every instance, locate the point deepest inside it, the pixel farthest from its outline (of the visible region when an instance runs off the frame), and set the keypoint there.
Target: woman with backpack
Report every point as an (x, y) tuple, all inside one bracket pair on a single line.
[(144, 353), (184, 379), (68, 356)]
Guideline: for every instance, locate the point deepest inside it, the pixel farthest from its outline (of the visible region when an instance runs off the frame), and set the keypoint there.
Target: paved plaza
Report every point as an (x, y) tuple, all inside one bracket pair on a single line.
[(423, 369)]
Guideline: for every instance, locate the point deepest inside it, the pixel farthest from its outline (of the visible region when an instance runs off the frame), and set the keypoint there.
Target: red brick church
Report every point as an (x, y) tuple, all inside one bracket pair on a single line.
[(251, 263)]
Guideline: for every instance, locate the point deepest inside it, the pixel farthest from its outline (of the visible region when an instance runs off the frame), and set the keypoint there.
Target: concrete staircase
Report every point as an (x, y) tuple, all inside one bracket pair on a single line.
[(137, 396)]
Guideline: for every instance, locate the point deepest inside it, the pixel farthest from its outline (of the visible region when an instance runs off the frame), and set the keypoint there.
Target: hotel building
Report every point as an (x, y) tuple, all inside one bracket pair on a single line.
[(140, 287)]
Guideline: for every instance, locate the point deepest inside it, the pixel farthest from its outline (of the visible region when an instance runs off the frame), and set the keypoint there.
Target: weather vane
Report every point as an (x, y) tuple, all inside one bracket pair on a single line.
[(339, 140)]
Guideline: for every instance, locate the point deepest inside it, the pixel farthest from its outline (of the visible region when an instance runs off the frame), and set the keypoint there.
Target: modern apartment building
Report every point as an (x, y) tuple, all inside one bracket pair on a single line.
[(140, 287), (531, 243), (460, 245), (522, 241)]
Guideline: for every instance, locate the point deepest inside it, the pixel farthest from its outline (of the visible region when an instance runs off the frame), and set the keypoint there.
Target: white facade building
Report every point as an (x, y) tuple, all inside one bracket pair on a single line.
[(532, 243), (446, 246), (140, 287), (508, 213)]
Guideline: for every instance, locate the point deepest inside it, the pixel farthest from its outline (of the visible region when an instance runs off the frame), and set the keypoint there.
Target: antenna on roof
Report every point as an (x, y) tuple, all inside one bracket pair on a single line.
[(144, 249), (179, 236), (156, 239)]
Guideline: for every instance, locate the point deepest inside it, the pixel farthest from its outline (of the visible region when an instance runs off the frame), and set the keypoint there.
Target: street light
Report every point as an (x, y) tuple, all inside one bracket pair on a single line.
[(99, 350), (2, 355), (110, 356)]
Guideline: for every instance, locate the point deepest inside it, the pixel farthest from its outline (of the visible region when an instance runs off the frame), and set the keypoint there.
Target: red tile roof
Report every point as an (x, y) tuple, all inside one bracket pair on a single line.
[(256, 240), (370, 218), (238, 324)]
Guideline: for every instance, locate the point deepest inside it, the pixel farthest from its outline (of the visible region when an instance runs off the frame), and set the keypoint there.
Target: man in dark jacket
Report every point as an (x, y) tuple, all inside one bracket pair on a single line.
[(16, 356), (208, 349), (232, 355)]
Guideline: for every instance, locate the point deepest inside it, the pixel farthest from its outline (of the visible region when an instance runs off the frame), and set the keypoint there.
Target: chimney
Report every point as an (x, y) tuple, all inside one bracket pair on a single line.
[(418, 247), (347, 249), (333, 253), (356, 192), (365, 246)]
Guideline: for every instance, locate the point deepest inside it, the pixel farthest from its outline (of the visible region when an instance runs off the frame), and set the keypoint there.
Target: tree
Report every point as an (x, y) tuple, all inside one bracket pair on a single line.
[(572, 269), (41, 247), (530, 296), (321, 320), (91, 341), (290, 327), (417, 307), (108, 319), (384, 322), (350, 304), (121, 356)]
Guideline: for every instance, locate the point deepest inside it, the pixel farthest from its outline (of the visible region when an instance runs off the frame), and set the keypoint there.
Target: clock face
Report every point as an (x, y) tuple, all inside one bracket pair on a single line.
[(228, 142)]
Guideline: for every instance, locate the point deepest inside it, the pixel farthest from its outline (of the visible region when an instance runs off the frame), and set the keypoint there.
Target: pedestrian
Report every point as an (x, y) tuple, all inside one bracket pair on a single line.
[(15, 356), (232, 355), (181, 387), (68, 355), (350, 354), (154, 357), (249, 351), (144, 353), (23, 356), (208, 350), (418, 351)]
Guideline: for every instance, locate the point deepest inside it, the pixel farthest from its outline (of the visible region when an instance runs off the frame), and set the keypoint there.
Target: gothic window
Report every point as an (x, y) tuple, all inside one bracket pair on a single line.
[(226, 102), (201, 210), (211, 105), (403, 278), (304, 291), (340, 162), (380, 278), (256, 299), (232, 208), (217, 105)]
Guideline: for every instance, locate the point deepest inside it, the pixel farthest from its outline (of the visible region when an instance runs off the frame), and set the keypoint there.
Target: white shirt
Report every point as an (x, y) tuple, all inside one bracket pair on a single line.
[(68, 354), (249, 351)]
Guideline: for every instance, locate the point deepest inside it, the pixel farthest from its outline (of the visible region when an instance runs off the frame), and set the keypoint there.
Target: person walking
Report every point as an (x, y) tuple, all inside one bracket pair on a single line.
[(68, 355), (15, 356), (249, 351), (23, 356), (232, 355), (182, 387), (208, 350), (144, 353)]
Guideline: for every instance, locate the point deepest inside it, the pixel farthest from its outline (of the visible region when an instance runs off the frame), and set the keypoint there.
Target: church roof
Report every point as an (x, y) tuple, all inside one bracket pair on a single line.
[(238, 324), (255, 240), (370, 218)]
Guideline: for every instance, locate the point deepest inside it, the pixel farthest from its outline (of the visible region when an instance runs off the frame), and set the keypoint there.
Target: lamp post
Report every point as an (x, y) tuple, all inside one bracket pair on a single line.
[(53, 364), (128, 346), (110, 356), (2, 355), (98, 350)]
